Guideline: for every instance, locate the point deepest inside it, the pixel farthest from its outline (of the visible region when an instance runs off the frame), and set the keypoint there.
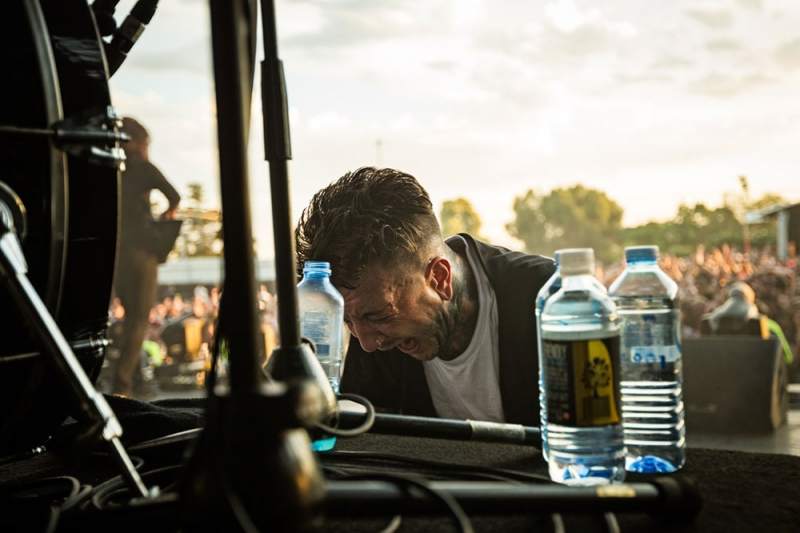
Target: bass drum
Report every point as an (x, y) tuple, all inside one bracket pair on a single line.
[(55, 69)]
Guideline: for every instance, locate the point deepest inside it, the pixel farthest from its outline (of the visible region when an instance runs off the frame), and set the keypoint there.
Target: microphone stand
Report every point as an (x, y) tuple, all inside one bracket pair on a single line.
[(253, 466)]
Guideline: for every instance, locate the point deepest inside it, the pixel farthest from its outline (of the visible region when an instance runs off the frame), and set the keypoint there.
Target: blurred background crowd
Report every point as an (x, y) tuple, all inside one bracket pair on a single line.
[(179, 338)]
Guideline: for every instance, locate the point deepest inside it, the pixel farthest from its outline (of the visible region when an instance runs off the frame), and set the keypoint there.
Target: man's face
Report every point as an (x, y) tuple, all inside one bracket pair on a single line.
[(406, 310)]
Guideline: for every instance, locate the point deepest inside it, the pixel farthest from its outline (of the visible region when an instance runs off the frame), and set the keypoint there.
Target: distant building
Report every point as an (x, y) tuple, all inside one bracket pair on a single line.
[(187, 272), (788, 225)]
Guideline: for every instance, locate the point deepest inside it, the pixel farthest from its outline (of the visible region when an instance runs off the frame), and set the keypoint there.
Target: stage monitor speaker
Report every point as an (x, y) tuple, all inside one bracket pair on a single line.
[(734, 384)]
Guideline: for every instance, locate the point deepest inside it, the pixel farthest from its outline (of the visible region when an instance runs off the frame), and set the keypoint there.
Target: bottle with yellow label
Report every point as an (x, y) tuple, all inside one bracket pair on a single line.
[(580, 367)]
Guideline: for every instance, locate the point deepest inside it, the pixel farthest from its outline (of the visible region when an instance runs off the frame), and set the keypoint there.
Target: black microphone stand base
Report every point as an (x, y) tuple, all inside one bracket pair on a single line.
[(252, 468)]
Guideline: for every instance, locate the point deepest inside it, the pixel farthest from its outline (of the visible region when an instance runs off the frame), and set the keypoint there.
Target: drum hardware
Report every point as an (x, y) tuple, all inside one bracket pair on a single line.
[(125, 36), (85, 345), (90, 135), (104, 16), (13, 270)]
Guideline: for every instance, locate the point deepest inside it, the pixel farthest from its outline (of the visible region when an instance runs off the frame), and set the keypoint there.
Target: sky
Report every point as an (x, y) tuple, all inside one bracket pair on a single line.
[(654, 103)]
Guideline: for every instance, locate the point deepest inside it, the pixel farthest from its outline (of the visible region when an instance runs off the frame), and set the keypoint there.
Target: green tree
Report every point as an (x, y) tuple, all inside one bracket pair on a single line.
[(201, 232), (458, 216), (196, 194), (692, 225), (576, 217)]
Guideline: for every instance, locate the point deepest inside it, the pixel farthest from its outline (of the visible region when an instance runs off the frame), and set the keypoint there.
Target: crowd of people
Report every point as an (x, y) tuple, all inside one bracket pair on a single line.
[(181, 329), (703, 280)]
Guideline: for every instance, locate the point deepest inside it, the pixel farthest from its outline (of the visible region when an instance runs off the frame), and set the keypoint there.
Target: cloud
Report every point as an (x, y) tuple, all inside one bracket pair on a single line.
[(727, 86), (339, 26), (756, 5), (724, 45), (716, 19), (670, 62), (572, 32), (582, 41), (565, 15), (190, 57), (643, 78), (788, 54)]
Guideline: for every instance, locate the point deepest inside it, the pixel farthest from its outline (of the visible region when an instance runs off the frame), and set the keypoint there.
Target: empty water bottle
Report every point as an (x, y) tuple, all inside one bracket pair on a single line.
[(580, 356), (652, 370)]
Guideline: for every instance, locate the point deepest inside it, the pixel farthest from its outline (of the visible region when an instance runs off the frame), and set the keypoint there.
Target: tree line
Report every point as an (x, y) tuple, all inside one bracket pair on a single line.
[(580, 217)]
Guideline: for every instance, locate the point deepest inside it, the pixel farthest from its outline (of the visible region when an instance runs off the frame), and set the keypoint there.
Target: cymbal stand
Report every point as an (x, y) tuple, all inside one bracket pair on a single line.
[(13, 270)]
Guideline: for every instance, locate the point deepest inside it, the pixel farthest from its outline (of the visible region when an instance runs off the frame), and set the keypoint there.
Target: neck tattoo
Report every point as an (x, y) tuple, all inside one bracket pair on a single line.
[(463, 315)]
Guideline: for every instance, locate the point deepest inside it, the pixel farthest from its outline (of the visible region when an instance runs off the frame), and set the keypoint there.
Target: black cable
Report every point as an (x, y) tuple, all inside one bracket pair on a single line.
[(558, 523), (611, 522), (459, 516), (52, 519), (138, 462), (455, 469), (76, 499), (393, 525), (102, 494), (360, 430)]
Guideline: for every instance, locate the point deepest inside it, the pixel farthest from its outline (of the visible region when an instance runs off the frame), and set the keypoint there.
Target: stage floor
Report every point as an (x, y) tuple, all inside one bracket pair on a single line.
[(784, 440)]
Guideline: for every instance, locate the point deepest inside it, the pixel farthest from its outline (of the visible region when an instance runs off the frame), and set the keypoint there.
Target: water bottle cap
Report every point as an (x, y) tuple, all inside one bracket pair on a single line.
[(576, 261), (557, 259), (641, 253), (317, 266)]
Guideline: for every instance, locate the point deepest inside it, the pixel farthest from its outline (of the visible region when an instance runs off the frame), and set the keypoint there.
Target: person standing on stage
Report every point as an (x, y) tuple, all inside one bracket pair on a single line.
[(136, 278)]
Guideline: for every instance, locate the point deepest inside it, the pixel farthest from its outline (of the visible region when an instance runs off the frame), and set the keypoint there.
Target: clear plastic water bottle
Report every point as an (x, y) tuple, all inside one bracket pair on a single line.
[(321, 312), (652, 369), (550, 287), (580, 356)]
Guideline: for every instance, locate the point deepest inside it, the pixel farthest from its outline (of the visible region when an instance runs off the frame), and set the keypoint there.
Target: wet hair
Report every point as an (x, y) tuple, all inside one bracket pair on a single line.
[(367, 217)]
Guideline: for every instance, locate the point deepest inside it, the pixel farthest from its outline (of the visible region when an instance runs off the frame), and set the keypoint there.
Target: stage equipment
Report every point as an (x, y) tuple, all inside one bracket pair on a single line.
[(293, 359), (674, 499), (60, 187), (124, 37), (735, 384), (13, 271), (268, 478), (59, 154), (443, 428)]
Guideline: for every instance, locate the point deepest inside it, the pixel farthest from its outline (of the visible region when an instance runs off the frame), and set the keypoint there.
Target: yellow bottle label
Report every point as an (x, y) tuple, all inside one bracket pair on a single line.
[(581, 381)]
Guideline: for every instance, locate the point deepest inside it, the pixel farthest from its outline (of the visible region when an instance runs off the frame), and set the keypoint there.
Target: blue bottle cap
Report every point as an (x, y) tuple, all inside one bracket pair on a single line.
[(317, 266), (641, 253)]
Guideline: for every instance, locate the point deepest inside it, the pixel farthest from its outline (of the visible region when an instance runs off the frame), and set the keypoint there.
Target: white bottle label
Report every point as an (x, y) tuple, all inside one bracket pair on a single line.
[(654, 354), (317, 327)]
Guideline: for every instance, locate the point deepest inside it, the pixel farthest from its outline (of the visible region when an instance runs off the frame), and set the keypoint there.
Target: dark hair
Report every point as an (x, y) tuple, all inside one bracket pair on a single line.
[(139, 135), (369, 216)]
